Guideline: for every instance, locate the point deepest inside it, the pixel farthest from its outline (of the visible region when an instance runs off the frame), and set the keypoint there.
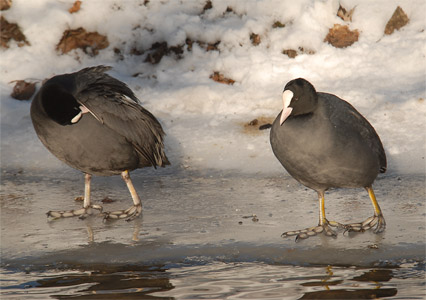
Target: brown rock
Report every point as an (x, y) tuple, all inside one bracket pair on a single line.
[(216, 76), (341, 36), (23, 90), (76, 7), (290, 53), (11, 31), (293, 53), (345, 15), (253, 122), (306, 51), (255, 39), (207, 6), (278, 24), (398, 20), (5, 4), (89, 42)]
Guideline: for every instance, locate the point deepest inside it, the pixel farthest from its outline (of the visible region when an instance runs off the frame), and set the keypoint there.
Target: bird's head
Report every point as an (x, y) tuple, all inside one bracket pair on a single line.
[(299, 98), (59, 103)]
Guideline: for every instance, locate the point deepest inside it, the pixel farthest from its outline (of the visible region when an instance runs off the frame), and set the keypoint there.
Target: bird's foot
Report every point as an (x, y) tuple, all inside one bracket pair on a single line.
[(378, 221), (128, 214), (81, 213), (312, 231)]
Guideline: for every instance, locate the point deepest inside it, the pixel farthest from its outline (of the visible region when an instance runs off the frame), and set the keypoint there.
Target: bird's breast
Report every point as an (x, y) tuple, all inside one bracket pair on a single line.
[(88, 146)]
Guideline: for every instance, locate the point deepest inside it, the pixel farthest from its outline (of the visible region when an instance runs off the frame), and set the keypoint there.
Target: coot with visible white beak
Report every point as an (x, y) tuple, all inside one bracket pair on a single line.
[(324, 142)]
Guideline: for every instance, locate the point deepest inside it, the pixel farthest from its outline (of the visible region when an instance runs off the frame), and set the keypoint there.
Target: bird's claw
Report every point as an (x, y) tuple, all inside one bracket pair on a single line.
[(378, 221), (313, 231), (128, 214), (81, 213)]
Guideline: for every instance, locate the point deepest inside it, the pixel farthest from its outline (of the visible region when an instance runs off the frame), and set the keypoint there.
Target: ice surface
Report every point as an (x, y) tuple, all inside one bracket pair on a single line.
[(193, 217)]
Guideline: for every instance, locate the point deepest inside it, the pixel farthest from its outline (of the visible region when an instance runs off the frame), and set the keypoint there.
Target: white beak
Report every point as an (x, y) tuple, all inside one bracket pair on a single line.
[(287, 96), (83, 110)]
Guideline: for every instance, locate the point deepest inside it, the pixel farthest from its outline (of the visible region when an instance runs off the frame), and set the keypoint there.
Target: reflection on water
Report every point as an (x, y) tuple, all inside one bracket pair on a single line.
[(122, 282), (216, 281)]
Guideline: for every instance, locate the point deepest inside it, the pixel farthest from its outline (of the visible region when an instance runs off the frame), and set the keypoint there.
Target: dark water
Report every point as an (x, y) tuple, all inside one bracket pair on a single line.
[(217, 280), (197, 240)]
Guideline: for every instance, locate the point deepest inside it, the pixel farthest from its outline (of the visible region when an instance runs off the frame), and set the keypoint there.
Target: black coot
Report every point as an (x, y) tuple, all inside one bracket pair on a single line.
[(95, 124), (324, 142)]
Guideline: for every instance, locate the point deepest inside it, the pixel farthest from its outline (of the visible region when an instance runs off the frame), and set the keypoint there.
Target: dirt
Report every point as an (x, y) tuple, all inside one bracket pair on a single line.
[(255, 126)]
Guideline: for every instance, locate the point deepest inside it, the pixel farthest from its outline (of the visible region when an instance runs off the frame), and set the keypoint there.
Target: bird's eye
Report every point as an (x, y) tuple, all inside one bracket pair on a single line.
[(296, 98)]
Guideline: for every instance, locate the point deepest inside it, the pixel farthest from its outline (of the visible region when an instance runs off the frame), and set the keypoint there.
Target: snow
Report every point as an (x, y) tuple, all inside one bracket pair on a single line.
[(382, 76)]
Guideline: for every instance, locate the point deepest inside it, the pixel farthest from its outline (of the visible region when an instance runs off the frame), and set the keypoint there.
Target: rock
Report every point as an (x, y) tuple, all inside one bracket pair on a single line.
[(207, 6), (23, 90), (306, 51), (398, 20), (293, 53), (253, 122), (345, 15), (76, 7), (89, 42), (11, 31), (278, 24), (5, 4), (340, 36), (255, 39), (290, 53), (216, 76)]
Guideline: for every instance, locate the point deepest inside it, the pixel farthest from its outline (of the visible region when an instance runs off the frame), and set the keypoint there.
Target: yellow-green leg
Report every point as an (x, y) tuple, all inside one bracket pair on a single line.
[(323, 224), (376, 220)]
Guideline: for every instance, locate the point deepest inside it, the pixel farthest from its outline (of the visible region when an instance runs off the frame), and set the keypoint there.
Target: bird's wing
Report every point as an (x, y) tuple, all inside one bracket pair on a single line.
[(113, 104), (359, 124)]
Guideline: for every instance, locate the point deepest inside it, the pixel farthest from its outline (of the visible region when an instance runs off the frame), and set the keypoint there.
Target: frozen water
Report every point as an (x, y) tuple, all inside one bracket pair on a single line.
[(206, 216)]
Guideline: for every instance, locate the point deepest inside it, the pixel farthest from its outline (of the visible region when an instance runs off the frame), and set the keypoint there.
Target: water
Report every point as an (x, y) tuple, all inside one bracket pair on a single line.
[(217, 280), (198, 239)]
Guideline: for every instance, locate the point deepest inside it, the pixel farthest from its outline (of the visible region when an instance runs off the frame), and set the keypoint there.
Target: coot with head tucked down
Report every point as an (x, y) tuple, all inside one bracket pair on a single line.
[(324, 142), (95, 124)]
